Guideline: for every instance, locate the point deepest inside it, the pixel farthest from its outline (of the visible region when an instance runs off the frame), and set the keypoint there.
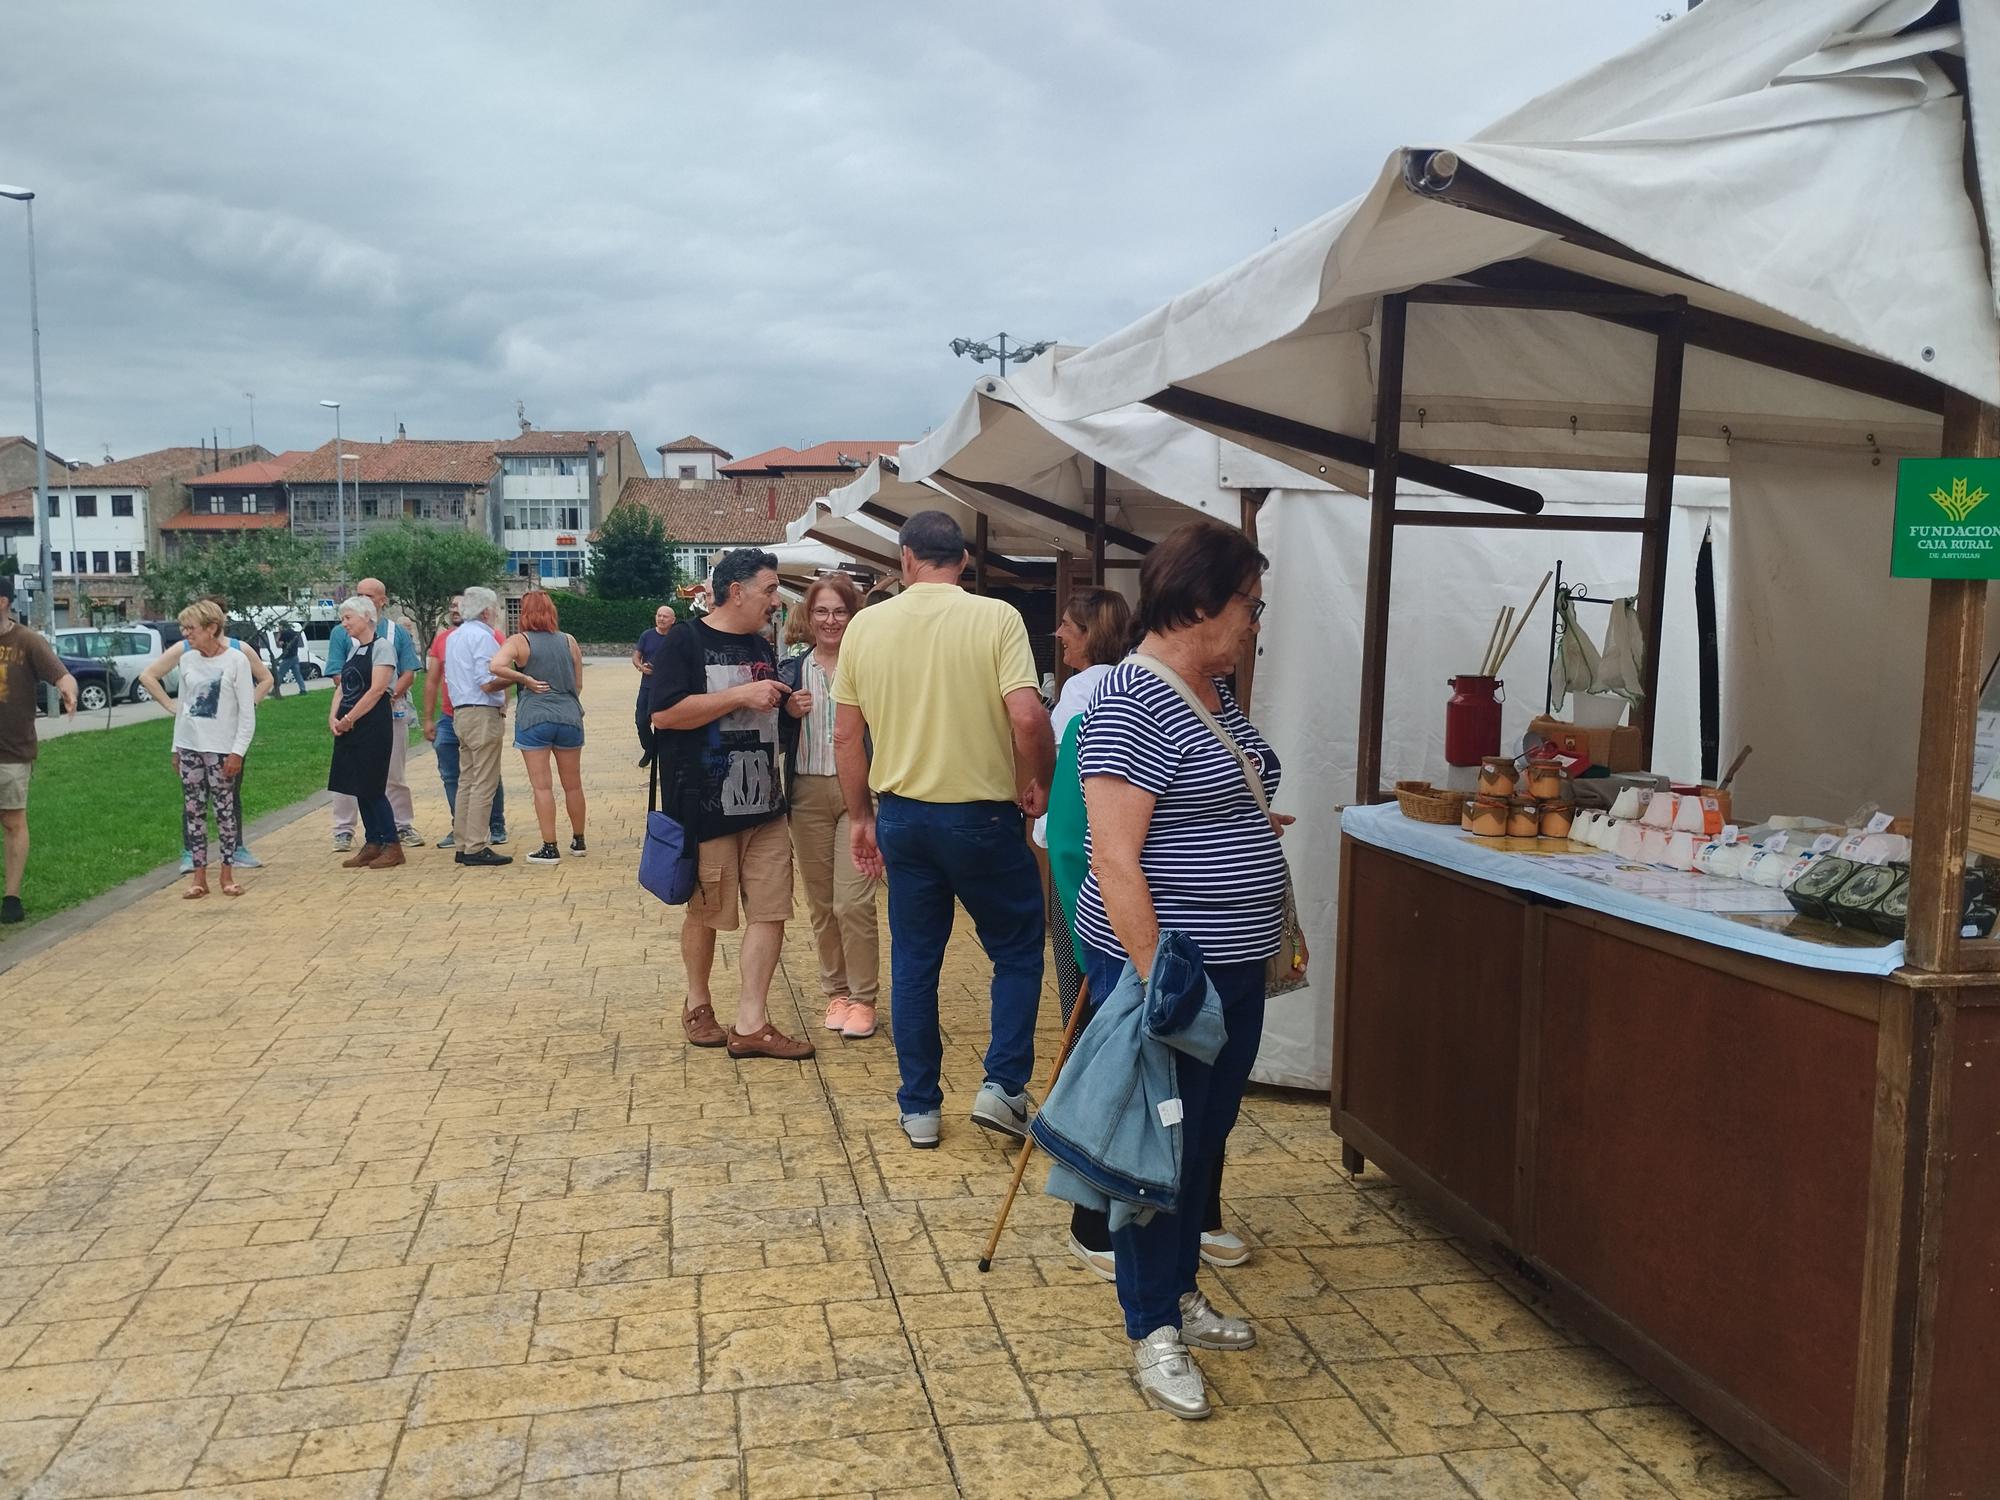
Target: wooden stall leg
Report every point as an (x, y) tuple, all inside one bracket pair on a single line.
[(1381, 547), (1352, 1159), (1662, 451)]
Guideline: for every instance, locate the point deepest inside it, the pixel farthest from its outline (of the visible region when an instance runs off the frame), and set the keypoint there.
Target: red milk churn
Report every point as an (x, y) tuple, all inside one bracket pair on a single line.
[(1472, 720)]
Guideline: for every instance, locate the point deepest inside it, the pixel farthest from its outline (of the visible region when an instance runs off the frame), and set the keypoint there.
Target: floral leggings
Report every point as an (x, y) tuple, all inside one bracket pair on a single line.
[(204, 785)]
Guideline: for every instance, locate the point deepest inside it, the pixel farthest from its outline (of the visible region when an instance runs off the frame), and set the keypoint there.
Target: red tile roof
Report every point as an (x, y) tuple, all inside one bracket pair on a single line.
[(692, 444), (264, 471), (18, 505), (404, 461), (143, 469), (826, 456), (206, 520), (732, 512), (558, 442)]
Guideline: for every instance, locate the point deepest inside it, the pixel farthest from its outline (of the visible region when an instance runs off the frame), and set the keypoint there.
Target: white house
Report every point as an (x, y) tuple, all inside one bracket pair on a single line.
[(552, 493), (690, 458)]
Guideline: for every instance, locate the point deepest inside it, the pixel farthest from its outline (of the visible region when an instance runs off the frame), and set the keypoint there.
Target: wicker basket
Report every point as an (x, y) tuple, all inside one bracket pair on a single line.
[(1429, 804)]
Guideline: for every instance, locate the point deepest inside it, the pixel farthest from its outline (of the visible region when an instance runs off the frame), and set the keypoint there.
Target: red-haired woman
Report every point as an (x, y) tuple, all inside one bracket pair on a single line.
[(547, 665)]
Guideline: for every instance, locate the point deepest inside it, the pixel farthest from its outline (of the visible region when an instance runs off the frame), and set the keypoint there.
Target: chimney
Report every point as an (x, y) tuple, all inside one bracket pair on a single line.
[(400, 433), (771, 503)]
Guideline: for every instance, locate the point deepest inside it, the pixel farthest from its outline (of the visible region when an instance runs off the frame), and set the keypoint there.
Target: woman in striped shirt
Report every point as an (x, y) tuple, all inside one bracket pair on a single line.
[(840, 900), (1177, 843)]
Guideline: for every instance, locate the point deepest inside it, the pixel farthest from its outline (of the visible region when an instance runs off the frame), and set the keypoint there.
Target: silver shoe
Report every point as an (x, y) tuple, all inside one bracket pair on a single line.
[(1168, 1376), (1002, 1113), (1205, 1328)]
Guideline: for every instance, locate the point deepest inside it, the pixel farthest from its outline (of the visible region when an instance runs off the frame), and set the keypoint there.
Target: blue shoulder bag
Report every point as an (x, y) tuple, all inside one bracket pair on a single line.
[(668, 862)]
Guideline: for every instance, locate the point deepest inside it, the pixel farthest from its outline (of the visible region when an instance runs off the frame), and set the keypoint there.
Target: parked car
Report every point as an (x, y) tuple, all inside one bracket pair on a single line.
[(130, 647), (97, 683)]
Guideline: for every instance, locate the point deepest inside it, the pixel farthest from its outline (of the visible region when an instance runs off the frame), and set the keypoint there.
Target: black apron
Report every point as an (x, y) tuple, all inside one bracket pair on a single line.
[(361, 756)]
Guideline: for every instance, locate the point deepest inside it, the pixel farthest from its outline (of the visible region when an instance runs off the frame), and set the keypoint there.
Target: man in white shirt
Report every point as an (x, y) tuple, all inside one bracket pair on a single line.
[(479, 713)]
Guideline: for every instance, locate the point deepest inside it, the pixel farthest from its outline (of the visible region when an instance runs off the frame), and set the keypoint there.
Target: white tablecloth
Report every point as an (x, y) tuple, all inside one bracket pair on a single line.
[(1385, 827)]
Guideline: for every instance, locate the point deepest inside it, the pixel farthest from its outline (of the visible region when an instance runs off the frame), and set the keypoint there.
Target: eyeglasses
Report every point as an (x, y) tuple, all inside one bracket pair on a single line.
[(829, 614), (1256, 605)]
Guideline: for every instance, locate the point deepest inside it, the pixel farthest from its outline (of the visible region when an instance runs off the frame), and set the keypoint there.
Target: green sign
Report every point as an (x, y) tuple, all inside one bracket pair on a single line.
[(1947, 518)]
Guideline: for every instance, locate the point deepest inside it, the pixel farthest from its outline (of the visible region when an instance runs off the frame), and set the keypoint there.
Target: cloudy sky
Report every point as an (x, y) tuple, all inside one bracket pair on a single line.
[(760, 222)]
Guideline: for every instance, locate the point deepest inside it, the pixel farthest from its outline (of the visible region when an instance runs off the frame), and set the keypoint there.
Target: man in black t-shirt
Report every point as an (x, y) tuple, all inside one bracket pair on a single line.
[(716, 701)]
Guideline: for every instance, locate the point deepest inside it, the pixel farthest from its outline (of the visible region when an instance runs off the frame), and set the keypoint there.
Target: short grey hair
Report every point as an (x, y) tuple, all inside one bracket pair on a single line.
[(359, 604), (477, 603)]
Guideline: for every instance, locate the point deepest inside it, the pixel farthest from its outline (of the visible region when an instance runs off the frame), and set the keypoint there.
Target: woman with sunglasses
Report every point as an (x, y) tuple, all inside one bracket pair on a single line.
[(840, 900)]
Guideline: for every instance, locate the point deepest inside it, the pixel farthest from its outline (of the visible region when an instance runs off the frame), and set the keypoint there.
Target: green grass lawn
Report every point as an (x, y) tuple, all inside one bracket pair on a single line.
[(105, 804)]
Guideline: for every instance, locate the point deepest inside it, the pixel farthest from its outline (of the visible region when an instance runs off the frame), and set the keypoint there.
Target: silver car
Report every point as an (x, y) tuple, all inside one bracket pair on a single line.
[(130, 647)]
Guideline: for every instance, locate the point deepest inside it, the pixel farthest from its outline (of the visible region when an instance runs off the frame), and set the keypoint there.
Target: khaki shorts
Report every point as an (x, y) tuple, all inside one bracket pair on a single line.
[(744, 876), (14, 776)]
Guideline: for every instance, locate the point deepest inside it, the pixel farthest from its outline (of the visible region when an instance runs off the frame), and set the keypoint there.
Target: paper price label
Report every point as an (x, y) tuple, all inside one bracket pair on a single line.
[(1823, 843), (1880, 822), (1776, 842), (1730, 834)]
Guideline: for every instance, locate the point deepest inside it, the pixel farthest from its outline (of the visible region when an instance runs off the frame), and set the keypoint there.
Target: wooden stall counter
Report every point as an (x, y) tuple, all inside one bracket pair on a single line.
[(1707, 1135)]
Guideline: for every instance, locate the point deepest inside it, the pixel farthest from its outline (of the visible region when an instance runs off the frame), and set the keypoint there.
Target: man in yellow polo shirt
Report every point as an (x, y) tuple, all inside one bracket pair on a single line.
[(943, 682)]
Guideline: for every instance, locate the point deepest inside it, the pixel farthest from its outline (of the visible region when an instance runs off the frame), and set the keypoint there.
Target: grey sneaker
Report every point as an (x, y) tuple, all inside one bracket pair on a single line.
[(245, 860), (1205, 1328), (1001, 1112), (449, 841), (1168, 1376), (498, 838), (343, 843), (922, 1130), (408, 834)]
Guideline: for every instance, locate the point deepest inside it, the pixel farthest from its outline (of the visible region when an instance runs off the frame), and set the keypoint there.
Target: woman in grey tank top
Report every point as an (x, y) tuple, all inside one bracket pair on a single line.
[(547, 666)]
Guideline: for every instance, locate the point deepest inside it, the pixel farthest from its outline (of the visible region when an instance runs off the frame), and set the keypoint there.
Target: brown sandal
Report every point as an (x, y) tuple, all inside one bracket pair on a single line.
[(770, 1042), (702, 1029)]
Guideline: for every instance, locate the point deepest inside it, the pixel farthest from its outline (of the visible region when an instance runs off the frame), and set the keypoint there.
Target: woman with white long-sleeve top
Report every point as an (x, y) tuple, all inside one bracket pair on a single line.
[(214, 722)]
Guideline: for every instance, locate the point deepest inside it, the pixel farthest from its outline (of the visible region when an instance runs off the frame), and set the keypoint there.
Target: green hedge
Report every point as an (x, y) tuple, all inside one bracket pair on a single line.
[(602, 621)]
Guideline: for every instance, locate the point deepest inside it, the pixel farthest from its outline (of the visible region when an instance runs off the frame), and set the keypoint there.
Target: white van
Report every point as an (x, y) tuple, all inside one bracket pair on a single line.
[(131, 648)]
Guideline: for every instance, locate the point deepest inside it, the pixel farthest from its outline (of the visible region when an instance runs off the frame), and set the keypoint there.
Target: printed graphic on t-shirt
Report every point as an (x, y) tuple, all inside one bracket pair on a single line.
[(742, 752), (205, 703), (10, 658)]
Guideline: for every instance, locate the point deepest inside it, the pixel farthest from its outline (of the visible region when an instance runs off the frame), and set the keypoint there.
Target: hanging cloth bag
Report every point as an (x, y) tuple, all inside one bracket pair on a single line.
[(669, 861)]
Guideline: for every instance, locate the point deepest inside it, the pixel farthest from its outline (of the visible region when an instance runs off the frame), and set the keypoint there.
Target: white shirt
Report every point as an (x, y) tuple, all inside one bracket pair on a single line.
[(1073, 700), (467, 652), (217, 713)]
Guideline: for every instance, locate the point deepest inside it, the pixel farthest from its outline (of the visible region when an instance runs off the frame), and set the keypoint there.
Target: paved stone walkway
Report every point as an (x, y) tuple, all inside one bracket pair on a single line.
[(405, 1185)]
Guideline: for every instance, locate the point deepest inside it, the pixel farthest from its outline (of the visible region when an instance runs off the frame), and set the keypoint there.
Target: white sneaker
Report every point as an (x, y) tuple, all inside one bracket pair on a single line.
[(408, 834), (1001, 1112), (343, 843), (1205, 1328), (1168, 1376), (922, 1130), (1224, 1249), (1102, 1264)]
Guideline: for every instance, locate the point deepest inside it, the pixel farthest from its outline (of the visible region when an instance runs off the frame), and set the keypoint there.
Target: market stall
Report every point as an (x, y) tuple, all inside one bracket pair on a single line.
[(1760, 1170)]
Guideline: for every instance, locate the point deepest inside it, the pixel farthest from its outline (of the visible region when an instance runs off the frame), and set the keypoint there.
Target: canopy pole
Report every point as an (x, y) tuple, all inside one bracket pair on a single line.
[(1063, 595), (1381, 546), (979, 554), (1662, 449), (1953, 648), (1246, 663), (1097, 524)]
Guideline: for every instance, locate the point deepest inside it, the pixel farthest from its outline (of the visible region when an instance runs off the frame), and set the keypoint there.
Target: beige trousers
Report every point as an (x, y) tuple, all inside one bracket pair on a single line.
[(840, 900), (481, 732)]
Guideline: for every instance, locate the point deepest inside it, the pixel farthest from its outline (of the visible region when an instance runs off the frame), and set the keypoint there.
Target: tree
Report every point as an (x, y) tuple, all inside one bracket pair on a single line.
[(424, 566), (256, 570), (631, 557)]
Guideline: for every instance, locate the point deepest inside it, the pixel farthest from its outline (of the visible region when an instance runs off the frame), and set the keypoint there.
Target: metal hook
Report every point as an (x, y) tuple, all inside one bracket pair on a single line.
[(1420, 419), (1727, 436), (1572, 424)]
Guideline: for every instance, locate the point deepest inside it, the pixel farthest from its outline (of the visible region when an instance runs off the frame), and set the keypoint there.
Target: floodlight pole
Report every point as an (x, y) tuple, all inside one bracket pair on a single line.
[(981, 351), (45, 595)]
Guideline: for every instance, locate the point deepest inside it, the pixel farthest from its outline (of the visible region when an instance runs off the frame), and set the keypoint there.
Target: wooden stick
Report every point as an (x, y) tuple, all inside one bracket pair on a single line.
[(1508, 649), (1506, 619), (1499, 622), (1076, 1016)]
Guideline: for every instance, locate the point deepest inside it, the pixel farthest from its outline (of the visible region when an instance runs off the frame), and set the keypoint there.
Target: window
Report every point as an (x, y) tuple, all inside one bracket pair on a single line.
[(124, 562), (215, 505), (101, 562), (121, 505), (689, 471), (550, 564), (55, 562), (86, 505), (250, 504), (55, 505), (569, 518)]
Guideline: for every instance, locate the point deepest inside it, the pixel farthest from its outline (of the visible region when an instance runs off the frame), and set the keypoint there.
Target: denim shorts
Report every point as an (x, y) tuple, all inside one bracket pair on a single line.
[(548, 736)]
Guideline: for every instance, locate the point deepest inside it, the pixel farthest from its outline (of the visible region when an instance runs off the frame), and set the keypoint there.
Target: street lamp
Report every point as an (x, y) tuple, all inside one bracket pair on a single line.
[(1020, 353), (46, 592), (355, 459), (339, 487)]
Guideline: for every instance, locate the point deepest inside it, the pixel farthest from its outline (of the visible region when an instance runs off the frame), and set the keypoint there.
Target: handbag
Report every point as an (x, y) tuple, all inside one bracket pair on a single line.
[(1284, 970), (669, 859)]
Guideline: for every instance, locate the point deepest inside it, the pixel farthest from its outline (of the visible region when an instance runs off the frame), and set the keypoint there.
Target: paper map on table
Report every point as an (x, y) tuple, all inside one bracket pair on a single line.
[(1683, 888)]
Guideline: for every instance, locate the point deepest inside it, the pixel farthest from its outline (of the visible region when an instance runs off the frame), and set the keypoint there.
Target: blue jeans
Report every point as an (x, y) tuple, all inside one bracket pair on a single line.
[(445, 747), (378, 819), (288, 666), (978, 853), (1156, 1261)]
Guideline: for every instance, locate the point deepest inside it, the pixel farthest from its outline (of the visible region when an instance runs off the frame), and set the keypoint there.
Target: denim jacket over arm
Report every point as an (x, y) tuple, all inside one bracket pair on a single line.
[(1113, 1149)]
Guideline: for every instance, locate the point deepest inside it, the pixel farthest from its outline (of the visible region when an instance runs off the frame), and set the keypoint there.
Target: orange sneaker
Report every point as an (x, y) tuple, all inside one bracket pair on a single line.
[(860, 1021), (836, 1012)]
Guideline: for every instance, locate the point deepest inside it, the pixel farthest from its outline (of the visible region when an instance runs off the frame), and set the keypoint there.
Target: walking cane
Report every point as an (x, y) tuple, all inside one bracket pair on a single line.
[(1076, 1015)]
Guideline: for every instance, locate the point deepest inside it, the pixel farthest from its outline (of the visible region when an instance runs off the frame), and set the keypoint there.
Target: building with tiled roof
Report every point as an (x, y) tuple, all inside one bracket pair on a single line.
[(554, 489), (248, 497), (691, 458), (830, 457), (703, 518), (446, 482), (17, 463)]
